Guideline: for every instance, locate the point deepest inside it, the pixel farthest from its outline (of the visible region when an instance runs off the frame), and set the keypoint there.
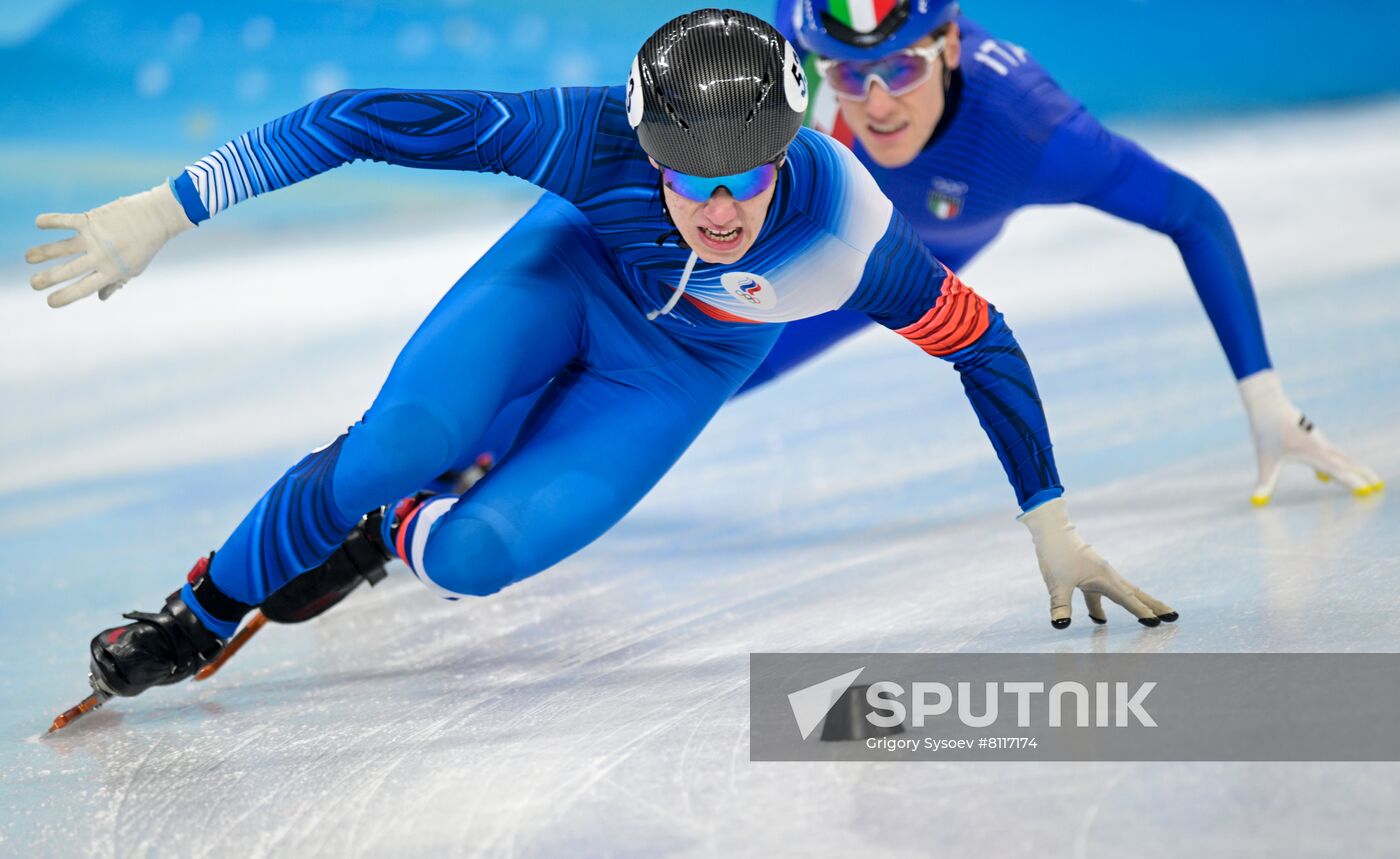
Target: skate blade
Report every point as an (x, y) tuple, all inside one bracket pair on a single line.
[(72, 714), (255, 623)]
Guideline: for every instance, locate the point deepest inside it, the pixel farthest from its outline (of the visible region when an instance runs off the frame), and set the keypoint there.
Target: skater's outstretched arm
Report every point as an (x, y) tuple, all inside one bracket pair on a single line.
[(1086, 163), (546, 137), (907, 290), (904, 288), (539, 136)]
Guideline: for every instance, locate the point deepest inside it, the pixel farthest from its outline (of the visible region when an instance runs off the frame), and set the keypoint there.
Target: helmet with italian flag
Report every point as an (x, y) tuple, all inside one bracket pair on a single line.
[(862, 29)]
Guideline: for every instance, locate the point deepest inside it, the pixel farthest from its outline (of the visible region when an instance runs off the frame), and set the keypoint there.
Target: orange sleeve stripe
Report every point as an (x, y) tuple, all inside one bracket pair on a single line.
[(947, 342), (955, 321)]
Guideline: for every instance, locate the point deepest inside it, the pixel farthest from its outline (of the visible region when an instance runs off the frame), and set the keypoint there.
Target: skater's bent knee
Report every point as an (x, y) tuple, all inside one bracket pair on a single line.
[(469, 556)]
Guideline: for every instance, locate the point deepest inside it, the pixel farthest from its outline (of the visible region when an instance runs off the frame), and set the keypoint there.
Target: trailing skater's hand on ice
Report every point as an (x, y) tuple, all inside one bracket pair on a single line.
[(114, 243), (1067, 562), (1281, 432)]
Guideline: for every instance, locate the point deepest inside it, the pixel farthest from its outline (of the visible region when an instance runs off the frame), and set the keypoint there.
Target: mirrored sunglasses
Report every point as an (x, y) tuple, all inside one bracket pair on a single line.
[(743, 186)]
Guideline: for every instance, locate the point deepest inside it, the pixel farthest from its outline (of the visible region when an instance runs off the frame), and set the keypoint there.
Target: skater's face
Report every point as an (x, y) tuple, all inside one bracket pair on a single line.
[(894, 128), (722, 227)]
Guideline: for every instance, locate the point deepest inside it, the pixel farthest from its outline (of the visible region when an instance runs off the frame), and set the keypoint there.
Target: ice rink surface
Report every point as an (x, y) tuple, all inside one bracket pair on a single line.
[(601, 708)]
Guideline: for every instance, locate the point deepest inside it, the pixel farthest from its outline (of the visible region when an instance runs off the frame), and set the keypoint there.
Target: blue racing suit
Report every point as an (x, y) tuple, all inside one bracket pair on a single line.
[(560, 303)]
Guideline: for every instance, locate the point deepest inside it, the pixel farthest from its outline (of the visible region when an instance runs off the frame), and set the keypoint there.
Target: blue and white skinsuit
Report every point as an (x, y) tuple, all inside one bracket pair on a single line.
[(561, 303)]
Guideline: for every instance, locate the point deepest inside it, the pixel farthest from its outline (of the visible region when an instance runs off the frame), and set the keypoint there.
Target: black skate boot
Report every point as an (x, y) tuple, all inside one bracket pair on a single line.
[(360, 559), (164, 647)]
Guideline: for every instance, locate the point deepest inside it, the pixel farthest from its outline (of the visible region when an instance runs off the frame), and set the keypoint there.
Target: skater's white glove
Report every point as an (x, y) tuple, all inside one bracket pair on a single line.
[(1067, 562), (1281, 432), (115, 243)]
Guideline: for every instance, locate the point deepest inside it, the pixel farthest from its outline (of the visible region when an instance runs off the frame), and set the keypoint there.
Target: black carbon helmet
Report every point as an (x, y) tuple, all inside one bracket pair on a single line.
[(716, 92)]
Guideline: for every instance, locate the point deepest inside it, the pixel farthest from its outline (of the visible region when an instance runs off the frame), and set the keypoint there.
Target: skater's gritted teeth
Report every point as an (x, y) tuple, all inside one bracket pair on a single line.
[(721, 229), (895, 129)]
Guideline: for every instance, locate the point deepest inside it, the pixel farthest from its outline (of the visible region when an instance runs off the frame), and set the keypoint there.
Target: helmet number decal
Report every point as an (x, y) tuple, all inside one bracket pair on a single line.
[(636, 96), (794, 79)]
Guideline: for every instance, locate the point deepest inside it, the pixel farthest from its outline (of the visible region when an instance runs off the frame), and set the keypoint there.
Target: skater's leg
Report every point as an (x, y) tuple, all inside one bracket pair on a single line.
[(803, 340), (597, 441), (508, 326), (593, 448)]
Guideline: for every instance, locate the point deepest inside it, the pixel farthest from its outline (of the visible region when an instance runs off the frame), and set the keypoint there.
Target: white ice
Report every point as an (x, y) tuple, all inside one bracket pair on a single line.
[(601, 708)]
